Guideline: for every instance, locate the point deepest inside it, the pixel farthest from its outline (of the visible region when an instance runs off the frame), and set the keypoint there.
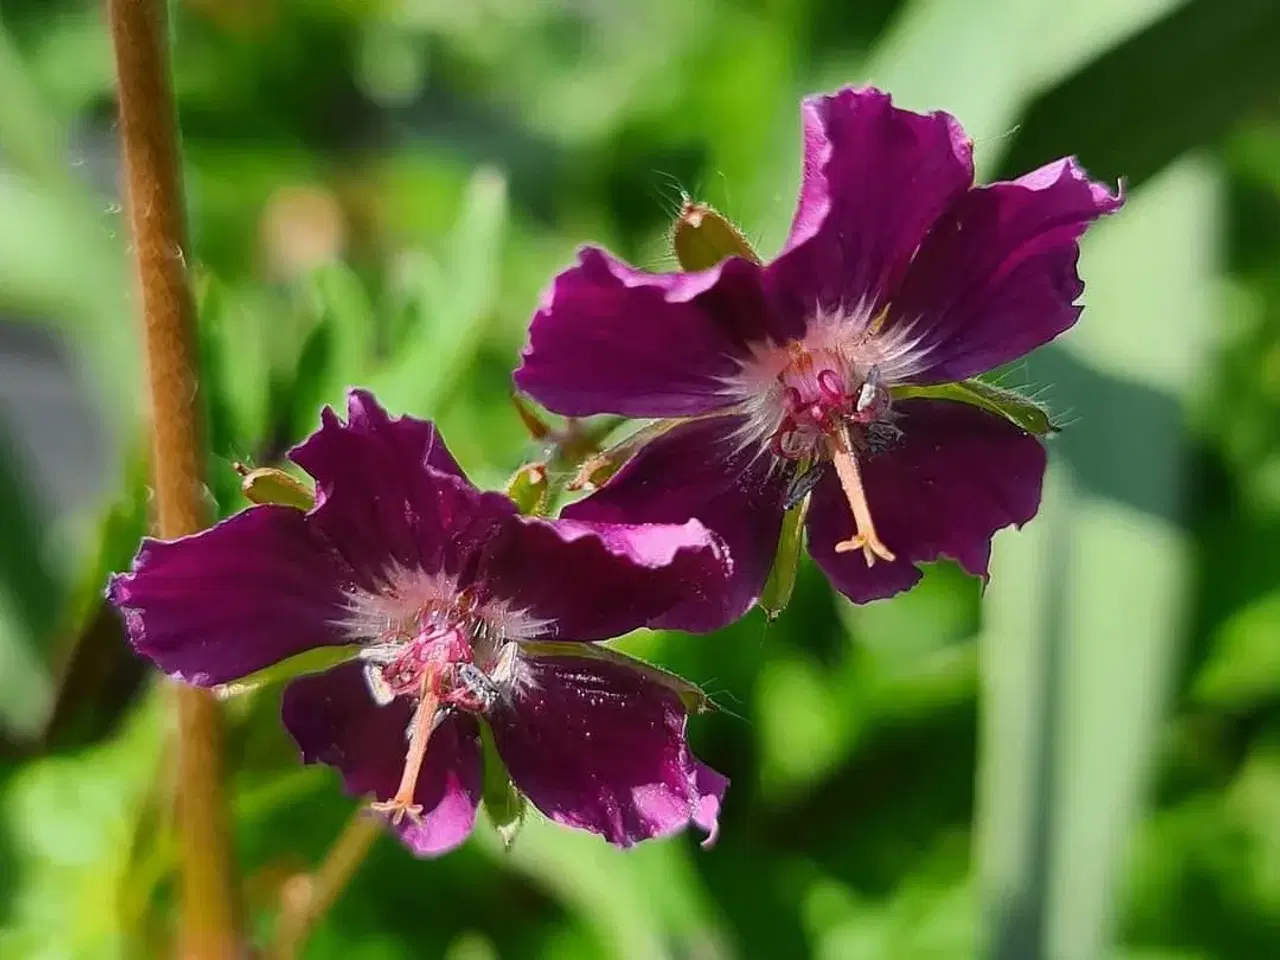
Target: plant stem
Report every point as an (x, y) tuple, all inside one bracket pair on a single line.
[(157, 219), (307, 897)]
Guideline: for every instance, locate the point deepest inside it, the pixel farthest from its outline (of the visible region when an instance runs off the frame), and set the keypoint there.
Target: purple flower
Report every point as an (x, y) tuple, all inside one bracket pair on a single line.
[(897, 271), (456, 610)]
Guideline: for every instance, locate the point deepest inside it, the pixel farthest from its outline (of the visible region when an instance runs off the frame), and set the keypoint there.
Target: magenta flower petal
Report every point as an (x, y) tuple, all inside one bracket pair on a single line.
[(388, 493), (333, 721), (959, 475), (875, 179), (599, 746), (438, 589), (594, 581), (247, 593), (700, 470), (897, 271), (996, 277), (602, 341)]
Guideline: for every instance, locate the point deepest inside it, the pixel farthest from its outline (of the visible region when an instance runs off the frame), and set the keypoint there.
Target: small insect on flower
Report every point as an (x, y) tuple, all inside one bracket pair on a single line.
[(834, 371), (449, 610)]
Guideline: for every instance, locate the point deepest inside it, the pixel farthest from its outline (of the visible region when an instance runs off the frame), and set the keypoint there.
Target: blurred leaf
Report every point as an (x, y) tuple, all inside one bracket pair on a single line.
[(237, 367), (799, 702), (1243, 669), (1182, 83), (30, 599), (1083, 610), (98, 670), (337, 297), (452, 317), (73, 826)]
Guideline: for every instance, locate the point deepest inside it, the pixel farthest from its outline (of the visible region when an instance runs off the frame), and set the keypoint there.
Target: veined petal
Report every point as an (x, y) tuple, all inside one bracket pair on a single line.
[(876, 178), (334, 721), (995, 278), (702, 470), (597, 580), (389, 494), (597, 746), (958, 475), (609, 338), (257, 588)]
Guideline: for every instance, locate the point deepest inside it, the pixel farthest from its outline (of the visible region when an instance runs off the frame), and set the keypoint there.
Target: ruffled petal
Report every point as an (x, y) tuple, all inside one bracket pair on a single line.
[(593, 581), (609, 338), (700, 470), (958, 475), (875, 179), (996, 277), (389, 494), (257, 588), (334, 721), (600, 747)]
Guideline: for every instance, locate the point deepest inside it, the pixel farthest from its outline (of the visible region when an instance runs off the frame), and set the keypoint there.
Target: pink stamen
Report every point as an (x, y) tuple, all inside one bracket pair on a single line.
[(831, 386)]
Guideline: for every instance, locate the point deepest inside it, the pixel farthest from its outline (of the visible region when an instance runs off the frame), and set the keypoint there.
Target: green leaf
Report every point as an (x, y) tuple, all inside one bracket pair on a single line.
[(1243, 669), (782, 578), (504, 804), (1010, 404), (316, 660)]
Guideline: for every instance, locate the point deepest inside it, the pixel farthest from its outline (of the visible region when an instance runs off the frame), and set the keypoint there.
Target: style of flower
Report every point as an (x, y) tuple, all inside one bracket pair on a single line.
[(455, 611), (778, 380)]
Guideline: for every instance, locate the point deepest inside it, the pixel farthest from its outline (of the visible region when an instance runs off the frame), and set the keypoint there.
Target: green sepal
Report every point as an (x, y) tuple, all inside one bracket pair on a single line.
[(272, 485), (530, 489), (316, 660), (702, 237), (597, 469), (1013, 406), (504, 804), (782, 578), (693, 697)]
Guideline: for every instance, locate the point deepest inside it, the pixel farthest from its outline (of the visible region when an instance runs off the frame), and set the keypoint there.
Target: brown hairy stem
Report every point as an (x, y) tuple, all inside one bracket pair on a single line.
[(157, 220)]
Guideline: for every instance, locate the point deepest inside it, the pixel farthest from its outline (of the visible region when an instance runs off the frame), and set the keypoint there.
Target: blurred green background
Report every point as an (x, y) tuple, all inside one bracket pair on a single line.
[(1082, 762)]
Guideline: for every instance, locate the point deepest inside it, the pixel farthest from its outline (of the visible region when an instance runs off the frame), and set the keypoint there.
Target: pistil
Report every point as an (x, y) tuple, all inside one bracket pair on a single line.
[(402, 805), (865, 537)]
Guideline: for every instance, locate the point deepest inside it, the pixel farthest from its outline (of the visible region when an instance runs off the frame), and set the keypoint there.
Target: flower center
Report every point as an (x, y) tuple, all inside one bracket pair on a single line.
[(433, 645), (829, 414), (435, 667)]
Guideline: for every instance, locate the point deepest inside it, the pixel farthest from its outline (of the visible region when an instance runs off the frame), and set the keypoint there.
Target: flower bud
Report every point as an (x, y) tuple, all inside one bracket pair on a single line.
[(272, 485), (702, 237)]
